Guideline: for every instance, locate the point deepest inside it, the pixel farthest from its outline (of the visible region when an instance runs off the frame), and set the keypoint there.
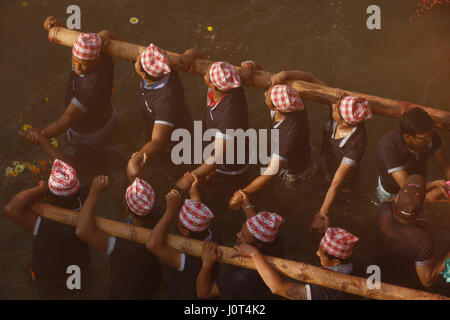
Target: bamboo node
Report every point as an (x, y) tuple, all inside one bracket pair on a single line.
[(130, 232), (339, 95)]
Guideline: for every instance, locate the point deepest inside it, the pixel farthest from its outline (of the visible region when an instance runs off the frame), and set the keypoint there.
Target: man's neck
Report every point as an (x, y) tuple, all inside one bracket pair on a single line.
[(279, 116), (217, 94)]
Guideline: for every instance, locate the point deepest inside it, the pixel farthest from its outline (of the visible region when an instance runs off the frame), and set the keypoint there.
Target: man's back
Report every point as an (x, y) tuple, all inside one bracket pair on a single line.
[(400, 246)]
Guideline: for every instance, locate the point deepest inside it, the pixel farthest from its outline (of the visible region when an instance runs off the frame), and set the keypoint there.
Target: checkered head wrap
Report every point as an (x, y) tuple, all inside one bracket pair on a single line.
[(354, 110), (140, 197), (286, 99), (88, 46), (155, 61), (63, 180), (338, 243), (264, 226), (224, 76), (195, 216)]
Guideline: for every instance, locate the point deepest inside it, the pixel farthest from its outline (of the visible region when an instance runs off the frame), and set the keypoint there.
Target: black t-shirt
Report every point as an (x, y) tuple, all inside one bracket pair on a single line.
[(293, 144), (245, 284), (55, 247), (229, 113), (349, 149), (91, 93), (394, 155), (166, 105), (183, 283), (399, 247), (135, 272), (323, 293)]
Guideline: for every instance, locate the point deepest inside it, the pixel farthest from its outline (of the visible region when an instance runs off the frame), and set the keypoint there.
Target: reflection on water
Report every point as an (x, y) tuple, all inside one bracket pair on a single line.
[(404, 60)]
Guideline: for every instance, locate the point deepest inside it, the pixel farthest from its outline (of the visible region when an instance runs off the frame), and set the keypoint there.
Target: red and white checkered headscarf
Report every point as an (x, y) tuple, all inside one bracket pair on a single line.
[(354, 110), (63, 180), (286, 99), (155, 61), (195, 216), (264, 226), (338, 243), (140, 197), (88, 46), (224, 76)]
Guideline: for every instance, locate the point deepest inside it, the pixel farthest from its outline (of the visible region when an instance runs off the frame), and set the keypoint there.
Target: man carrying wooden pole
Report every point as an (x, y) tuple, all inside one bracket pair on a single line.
[(310, 91), (293, 269)]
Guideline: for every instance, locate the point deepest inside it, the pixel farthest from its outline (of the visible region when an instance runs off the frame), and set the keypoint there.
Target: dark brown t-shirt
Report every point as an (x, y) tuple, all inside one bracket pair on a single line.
[(400, 247)]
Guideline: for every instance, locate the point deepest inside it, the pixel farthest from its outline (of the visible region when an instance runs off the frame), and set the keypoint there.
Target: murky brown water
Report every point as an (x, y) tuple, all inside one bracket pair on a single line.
[(404, 60)]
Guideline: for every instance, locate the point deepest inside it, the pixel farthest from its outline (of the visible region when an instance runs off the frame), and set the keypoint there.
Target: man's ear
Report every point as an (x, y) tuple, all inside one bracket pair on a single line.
[(184, 232), (336, 262)]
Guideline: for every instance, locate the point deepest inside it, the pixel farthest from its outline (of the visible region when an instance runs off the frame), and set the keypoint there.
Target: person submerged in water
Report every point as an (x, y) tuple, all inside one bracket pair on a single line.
[(226, 109), (135, 272), (194, 220), (335, 253), (259, 229), (55, 246), (405, 249), (163, 105), (89, 117), (406, 150)]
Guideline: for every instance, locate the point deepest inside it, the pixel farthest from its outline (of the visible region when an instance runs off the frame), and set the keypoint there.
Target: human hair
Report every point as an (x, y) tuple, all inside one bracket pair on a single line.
[(67, 202), (331, 257), (415, 121)]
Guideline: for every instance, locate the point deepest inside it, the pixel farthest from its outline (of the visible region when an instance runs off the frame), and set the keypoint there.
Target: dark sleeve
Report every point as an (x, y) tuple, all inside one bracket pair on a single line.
[(231, 282), (232, 105), (319, 293), (355, 147), (165, 111), (390, 157), (437, 143), (424, 249)]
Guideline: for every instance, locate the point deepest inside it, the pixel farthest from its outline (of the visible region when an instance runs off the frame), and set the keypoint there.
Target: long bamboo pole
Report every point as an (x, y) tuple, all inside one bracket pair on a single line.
[(293, 269), (310, 91)]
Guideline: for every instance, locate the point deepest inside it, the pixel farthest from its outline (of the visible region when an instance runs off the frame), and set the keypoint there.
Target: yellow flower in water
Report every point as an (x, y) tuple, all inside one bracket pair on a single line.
[(26, 127), (16, 163), (209, 28), (27, 165), (134, 20), (8, 171), (19, 168), (55, 144), (14, 173)]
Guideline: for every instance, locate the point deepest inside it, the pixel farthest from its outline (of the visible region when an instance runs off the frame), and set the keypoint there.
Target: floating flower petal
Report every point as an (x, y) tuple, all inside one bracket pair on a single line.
[(134, 20)]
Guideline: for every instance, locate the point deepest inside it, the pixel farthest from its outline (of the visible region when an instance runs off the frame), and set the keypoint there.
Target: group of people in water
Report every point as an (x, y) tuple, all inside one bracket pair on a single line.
[(404, 243)]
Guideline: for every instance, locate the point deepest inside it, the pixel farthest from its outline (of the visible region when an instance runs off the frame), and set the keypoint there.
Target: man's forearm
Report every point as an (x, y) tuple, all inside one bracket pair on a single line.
[(51, 151), (205, 169), (56, 128), (151, 148), (257, 184), (158, 237), (86, 220), (23, 200), (204, 281)]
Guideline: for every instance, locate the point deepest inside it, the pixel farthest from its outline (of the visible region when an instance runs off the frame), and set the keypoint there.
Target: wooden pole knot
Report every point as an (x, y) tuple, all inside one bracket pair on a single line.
[(130, 232), (52, 34), (339, 95)]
